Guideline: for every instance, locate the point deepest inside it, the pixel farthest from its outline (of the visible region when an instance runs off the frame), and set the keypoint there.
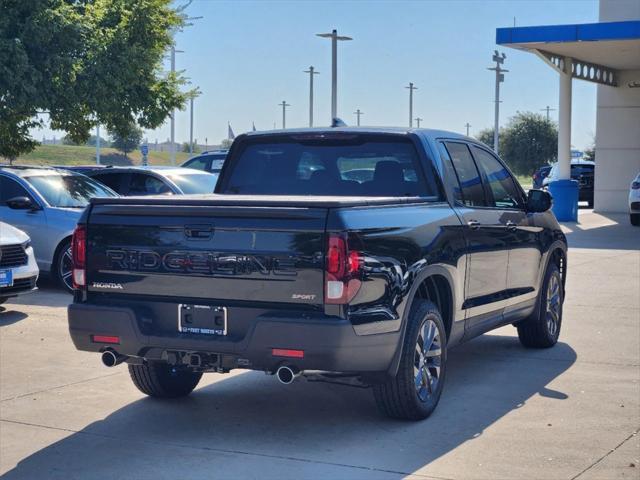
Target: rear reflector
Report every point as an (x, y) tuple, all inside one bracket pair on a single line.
[(105, 339), (283, 352)]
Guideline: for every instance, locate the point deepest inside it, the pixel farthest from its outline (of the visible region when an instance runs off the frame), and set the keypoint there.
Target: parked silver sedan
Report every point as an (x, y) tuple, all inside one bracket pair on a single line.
[(46, 203)]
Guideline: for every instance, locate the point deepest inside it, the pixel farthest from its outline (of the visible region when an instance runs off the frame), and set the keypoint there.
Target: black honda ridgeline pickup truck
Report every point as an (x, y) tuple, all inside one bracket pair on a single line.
[(351, 255)]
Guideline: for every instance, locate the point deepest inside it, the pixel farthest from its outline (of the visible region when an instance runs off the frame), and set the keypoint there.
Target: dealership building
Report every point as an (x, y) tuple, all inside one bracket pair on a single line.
[(606, 53)]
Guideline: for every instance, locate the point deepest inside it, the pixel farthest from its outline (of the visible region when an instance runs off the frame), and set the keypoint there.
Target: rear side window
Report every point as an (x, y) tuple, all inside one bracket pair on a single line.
[(468, 175), (111, 180), (353, 165), (501, 184)]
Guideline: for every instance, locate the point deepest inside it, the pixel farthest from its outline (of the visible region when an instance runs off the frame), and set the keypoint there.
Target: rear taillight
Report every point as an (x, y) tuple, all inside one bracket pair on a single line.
[(79, 256), (343, 271), (635, 185)]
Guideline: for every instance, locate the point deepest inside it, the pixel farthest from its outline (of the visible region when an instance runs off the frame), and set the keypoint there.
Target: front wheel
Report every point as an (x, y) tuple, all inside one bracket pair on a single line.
[(414, 392), (634, 218), (159, 379), (542, 329)]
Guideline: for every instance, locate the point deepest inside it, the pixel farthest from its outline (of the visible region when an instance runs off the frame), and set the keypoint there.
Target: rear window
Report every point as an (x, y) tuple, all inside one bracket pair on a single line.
[(356, 165)]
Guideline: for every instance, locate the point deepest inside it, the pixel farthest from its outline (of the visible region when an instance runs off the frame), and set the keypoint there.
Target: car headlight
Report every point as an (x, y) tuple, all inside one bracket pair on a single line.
[(26, 244)]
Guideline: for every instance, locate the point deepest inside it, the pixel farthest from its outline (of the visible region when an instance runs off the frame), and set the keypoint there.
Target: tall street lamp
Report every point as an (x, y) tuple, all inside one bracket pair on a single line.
[(334, 68), (499, 59)]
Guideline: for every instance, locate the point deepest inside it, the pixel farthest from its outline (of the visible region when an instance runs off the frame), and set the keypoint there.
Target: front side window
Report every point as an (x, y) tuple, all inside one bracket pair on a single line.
[(143, 184), (68, 191), (501, 183), (195, 183), (9, 189), (351, 165), (200, 163), (111, 180), (470, 182)]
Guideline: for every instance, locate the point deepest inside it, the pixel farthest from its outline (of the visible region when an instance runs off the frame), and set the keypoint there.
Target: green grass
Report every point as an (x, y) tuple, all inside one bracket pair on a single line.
[(76, 155)]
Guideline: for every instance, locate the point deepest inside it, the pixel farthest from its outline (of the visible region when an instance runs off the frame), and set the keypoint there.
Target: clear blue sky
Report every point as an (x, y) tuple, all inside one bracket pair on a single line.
[(247, 56)]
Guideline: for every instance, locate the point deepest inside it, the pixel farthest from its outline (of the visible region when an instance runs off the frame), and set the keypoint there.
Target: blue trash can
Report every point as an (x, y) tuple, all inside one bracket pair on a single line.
[(565, 200)]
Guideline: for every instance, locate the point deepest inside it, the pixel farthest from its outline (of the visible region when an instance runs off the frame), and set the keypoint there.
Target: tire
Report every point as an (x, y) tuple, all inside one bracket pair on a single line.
[(590, 203), (161, 380), (542, 329), (63, 267), (2, 300), (401, 397), (634, 218)]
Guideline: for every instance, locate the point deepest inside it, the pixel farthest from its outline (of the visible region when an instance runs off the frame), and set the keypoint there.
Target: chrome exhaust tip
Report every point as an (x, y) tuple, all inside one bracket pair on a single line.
[(286, 375), (111, 358)]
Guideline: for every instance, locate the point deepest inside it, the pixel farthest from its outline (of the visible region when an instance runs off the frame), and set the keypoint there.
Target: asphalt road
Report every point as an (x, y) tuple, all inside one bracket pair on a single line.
[(572, 411)]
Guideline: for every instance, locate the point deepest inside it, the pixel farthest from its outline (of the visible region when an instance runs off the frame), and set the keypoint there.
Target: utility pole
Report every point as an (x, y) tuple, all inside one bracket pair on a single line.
[(334, 68), (284, 113), (418, 120), (98, 144), (311, 73), (411, 89), (499, 59), (191, 126), (468, 126), (548, 109), (358, 113)]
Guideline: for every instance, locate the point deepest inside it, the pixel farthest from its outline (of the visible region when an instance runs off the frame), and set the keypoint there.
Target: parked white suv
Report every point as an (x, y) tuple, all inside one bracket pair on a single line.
[(634, 201), (18, 267)]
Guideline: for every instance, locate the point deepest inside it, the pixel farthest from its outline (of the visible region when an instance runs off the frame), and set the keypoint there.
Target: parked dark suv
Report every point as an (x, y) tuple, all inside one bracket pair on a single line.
[(296, 268)]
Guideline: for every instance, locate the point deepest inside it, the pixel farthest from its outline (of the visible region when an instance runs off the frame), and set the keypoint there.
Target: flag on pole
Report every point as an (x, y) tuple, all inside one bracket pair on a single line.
[(254, 126), (230, 134)]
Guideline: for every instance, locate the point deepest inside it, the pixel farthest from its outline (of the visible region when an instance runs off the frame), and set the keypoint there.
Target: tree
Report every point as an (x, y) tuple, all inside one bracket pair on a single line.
[(528, 141), (84, 62), (128, 142), (226, 143)]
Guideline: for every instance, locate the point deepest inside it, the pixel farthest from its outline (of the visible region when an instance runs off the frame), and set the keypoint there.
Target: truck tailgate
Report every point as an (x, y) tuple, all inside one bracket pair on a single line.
[(222, 252)]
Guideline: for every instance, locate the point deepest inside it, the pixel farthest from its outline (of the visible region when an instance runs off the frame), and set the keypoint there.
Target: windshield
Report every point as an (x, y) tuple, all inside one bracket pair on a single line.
[(353, 165), (195, 183), (68, 191)]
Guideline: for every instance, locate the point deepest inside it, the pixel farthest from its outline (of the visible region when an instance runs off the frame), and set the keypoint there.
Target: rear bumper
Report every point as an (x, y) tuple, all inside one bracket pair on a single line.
[(329, 344)]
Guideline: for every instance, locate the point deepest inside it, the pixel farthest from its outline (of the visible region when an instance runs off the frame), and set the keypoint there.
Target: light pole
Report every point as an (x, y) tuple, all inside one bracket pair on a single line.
[(468, 126), (358, 113), (418, 120), (548, 109), (311, 73), (334, 68), (411, 89), (193, 94), (98, 144), (499, 59), (284, 113)]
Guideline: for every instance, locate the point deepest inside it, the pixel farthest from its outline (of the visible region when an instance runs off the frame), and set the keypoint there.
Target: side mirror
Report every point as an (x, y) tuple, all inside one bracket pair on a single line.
[(539, 201), (21, 203)]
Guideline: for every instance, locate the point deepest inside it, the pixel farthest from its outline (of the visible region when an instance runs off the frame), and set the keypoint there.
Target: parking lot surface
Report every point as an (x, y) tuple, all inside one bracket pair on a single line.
[(572, 411)]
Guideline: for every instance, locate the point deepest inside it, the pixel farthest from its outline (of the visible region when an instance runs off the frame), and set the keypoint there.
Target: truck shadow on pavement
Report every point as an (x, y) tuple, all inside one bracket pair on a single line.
[(250, 425)]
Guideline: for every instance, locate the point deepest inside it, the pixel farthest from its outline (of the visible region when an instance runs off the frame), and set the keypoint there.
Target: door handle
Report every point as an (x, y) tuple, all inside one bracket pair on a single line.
[(473, 224), (511, 226)]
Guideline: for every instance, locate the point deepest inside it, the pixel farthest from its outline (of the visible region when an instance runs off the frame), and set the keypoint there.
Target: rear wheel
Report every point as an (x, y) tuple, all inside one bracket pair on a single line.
[(542, 329), (634, 218), (64, 267), (159, 379), (415, 390)]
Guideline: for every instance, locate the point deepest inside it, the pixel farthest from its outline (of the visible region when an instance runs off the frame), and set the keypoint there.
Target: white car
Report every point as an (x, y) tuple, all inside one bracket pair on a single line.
[(634, 201), (18, 268)]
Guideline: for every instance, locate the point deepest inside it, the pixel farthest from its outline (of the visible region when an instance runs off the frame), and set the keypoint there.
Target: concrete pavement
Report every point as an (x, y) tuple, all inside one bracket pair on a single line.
[(572, 411)]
